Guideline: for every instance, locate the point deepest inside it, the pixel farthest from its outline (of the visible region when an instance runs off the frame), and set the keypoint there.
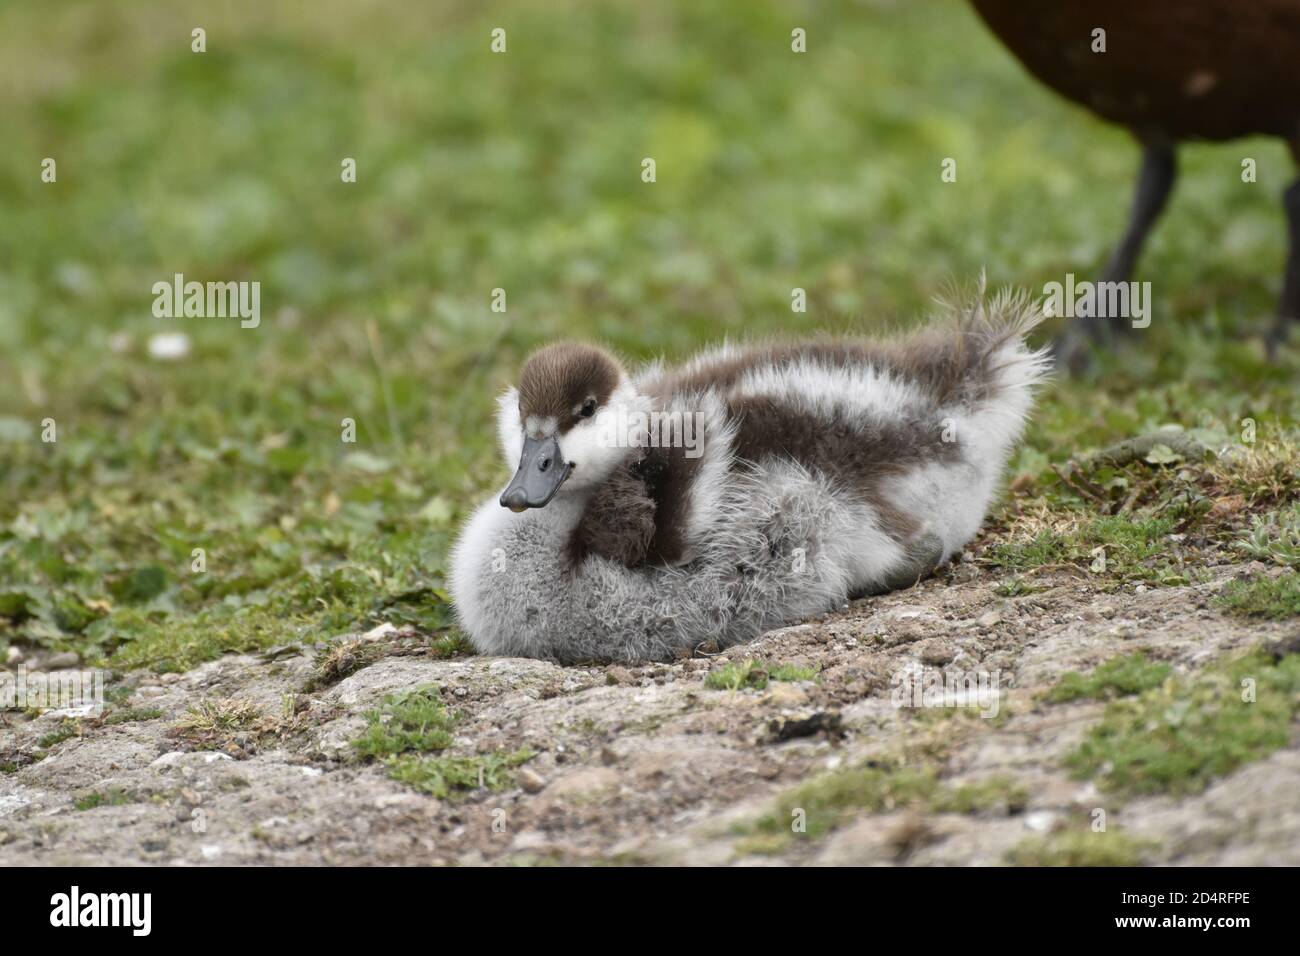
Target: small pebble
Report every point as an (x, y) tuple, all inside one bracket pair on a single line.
[(937, 652), (531, 781)]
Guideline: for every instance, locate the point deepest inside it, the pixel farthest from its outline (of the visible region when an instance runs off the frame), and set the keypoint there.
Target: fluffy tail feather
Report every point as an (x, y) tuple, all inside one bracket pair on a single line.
[(989, 354)]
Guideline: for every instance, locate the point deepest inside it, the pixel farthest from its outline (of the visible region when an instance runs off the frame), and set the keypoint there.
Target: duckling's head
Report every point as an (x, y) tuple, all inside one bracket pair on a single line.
[(562, 424)]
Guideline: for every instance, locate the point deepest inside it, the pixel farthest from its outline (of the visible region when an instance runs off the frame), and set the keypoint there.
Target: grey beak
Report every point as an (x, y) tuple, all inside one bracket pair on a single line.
[(542, 470)]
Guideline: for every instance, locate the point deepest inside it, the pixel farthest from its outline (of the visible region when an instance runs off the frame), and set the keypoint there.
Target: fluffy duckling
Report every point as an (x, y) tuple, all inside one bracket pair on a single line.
[(752, 487)]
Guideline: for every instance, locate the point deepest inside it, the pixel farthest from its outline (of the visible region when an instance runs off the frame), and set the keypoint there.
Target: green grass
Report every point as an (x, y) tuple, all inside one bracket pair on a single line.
[(754, 675), (1181, 735), (775, 170), (1130, 546), (1260, 597), (1118, 677), (219, 715), (67, 729), (454, 643), (218, 723)]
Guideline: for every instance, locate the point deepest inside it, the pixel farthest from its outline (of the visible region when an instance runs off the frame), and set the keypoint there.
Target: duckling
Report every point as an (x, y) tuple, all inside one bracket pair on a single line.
[(809, 473), (1172, 70)]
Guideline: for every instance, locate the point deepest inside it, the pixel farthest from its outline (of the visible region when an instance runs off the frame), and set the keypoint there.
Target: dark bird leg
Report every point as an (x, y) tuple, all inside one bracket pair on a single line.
[(1288, 308), (1155, 181)]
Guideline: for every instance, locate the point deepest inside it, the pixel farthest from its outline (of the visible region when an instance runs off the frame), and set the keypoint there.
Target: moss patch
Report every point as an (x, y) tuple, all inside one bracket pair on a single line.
[(112, 797), (67, 729), (440, 776), (998, 794), (831, 800), (1108, 848), (1118, 677), (1263, 597), (414, 720), (410, 726), (132, 715), (1179, 736)]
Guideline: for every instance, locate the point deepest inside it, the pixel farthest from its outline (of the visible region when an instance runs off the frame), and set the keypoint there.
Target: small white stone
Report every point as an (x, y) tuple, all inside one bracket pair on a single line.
[(169, 346), (397, 800), (1040, 821), (530, 840), (380, 632)]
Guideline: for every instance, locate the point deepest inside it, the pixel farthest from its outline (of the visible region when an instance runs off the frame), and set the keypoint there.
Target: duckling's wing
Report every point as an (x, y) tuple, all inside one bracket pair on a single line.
[(686, 467), (659, 507), (619, 521)]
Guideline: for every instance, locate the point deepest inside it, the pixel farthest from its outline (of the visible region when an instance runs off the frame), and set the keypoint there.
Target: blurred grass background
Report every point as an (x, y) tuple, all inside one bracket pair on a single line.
[(519, 171)]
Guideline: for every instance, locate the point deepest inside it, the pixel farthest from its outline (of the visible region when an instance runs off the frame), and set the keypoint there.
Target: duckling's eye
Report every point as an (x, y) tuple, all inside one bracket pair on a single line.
[(588, 408)]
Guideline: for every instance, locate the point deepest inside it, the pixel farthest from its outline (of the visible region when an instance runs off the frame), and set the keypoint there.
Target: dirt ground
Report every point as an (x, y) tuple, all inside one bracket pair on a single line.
[(646, 764)]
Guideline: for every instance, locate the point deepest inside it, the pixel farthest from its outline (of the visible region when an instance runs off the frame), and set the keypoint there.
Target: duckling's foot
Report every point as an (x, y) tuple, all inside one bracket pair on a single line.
[(923, 556)]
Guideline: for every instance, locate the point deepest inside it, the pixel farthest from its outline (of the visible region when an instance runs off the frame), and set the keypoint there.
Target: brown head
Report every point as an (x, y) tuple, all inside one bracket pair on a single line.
[(559, 424)]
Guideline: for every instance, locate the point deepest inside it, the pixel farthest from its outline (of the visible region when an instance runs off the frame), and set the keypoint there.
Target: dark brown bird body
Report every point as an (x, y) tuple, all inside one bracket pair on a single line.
[(1171, 71)]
